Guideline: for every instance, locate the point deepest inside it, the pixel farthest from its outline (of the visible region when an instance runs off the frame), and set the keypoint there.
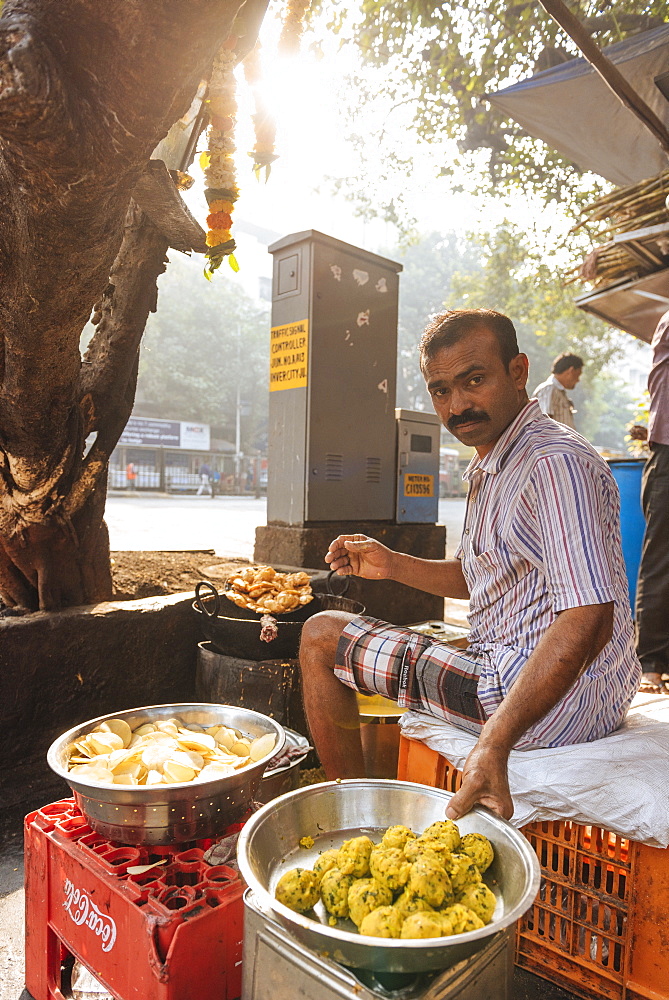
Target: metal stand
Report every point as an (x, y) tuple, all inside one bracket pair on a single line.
[(276, 967)]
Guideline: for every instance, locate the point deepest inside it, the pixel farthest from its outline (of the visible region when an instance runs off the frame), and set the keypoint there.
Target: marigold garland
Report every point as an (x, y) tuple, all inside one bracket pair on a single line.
[(263, 154), (293, 27), (221, 189)]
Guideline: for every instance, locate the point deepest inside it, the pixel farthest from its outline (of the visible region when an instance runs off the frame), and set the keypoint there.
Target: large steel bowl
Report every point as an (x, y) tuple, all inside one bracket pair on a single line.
[(167, 814), (284, 779), (331, 813)]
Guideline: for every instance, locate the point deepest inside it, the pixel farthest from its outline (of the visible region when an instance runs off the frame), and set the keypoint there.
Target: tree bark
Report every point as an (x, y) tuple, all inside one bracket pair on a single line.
[(87, 90)]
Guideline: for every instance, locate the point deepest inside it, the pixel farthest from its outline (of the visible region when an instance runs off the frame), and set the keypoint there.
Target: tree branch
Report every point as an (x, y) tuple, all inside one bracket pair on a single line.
[(157, 196)]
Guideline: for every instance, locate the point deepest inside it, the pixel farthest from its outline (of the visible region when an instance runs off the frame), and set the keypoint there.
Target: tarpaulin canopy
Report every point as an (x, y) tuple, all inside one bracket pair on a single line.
[(573, 110)]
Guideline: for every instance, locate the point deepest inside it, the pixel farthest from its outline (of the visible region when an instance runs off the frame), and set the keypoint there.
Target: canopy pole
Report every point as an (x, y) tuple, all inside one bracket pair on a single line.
[(609, 73)]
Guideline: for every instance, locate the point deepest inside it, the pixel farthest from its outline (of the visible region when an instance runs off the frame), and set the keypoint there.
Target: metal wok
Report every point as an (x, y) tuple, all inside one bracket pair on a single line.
[(335, 811), (235, 631)]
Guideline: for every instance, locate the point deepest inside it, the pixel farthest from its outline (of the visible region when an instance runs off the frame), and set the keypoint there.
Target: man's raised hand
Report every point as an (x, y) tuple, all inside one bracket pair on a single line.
[(359, 555)]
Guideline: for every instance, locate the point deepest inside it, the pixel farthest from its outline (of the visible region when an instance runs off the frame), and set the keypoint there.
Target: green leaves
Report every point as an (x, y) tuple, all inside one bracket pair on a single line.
[(217, 255), (443, 58), (200, 345)]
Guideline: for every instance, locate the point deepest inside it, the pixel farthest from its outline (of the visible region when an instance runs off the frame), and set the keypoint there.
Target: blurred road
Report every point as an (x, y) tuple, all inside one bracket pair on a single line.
[(147, 521)]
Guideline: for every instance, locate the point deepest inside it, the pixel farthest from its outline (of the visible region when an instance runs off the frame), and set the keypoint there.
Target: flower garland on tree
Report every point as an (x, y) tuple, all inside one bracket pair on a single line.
[(293, 27), (221, 189), (263, 154)]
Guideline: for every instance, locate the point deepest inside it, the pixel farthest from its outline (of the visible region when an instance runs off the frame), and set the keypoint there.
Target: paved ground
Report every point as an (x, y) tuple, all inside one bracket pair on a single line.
[(226, 524)]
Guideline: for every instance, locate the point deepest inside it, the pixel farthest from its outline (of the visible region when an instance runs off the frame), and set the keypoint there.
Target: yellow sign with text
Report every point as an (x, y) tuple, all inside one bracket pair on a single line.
[(288, 355), (416, 485)]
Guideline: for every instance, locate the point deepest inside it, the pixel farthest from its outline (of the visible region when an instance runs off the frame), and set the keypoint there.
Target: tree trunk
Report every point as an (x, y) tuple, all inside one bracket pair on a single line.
[(87, 90)]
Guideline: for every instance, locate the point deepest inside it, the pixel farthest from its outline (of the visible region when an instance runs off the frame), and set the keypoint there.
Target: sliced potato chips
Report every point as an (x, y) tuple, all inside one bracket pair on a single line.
[(165, 752)]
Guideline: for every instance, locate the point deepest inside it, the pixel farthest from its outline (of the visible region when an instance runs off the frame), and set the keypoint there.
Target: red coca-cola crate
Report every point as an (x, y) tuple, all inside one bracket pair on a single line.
[(172, 933)]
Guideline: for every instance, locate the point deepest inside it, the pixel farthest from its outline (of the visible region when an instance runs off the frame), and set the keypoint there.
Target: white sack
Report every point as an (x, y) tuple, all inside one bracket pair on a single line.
[(618, 783)]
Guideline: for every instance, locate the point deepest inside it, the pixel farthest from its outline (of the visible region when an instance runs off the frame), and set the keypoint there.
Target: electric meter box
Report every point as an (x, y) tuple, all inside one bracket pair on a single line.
[(418, 438), (332, 381)]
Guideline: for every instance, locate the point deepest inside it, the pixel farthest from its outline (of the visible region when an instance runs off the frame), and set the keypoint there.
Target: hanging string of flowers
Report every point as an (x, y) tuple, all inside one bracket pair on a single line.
[(221, 189), (263, 154), (293, 27)]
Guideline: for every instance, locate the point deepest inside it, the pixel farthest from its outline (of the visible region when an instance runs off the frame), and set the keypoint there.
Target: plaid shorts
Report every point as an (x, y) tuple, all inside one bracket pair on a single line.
[(412, 669)]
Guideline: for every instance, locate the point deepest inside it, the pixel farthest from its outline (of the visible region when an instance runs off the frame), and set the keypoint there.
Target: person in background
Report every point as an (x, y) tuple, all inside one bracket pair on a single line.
[(652, 592), (131, 475), (552, 394), (205, 481)]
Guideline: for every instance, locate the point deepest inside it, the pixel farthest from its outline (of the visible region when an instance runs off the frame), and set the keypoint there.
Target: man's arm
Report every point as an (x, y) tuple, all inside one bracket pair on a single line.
[(358, 555), (565, 650)]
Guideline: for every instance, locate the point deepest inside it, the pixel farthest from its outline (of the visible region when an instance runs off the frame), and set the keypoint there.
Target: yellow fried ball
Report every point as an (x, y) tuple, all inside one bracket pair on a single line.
[(397, 836), (383, 922), (389, 867), (479, 850), (423, 925), (324, 862), (353, 857), (298, 889), (423, 846), (480, 900), (366, 895), (446, 831), (463, 872), (334, 892), (431, 882), (406, 903), (460, 918)]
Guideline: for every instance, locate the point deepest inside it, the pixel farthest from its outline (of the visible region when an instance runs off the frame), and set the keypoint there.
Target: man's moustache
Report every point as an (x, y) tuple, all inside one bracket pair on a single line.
[(469, 416)]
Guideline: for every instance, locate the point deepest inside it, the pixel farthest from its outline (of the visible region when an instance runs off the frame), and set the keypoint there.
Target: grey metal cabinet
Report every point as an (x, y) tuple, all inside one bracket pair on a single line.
[(332, 382)]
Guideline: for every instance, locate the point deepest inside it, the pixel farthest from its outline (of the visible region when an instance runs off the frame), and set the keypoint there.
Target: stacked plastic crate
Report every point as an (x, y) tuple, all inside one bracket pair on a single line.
[(599, 924), (173, 931)]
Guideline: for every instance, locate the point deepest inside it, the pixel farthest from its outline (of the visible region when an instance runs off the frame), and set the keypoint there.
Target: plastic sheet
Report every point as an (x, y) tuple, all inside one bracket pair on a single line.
[(618, 783)]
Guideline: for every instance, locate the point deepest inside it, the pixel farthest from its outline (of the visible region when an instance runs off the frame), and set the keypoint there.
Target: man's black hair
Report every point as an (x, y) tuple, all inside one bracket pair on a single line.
[(564, 361), (450, 327)]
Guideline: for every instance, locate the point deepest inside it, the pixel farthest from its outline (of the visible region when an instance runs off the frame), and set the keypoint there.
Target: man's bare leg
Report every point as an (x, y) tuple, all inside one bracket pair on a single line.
[(331, 706)]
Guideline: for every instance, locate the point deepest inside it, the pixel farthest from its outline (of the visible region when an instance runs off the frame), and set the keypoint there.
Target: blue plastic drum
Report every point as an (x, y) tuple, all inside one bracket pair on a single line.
[(627, 474)]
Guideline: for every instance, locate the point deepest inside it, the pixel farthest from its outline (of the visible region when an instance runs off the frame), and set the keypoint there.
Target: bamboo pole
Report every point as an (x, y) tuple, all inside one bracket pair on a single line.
[(609, 73)]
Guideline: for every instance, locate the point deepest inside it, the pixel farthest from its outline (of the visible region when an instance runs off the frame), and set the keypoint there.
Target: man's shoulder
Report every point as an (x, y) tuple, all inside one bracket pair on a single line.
[(553, 443), (546, 384)]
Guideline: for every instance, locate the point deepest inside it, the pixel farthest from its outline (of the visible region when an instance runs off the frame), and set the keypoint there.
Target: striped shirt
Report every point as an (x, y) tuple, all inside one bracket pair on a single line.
[(542, 534), (554, 401)]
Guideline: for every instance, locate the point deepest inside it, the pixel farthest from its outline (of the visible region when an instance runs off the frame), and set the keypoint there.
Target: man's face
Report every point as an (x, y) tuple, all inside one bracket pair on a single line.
[(473, 394), (570, 377)]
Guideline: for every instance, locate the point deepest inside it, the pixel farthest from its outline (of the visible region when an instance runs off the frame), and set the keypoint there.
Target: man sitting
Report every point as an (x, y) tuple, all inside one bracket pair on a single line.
[(551, 659)]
